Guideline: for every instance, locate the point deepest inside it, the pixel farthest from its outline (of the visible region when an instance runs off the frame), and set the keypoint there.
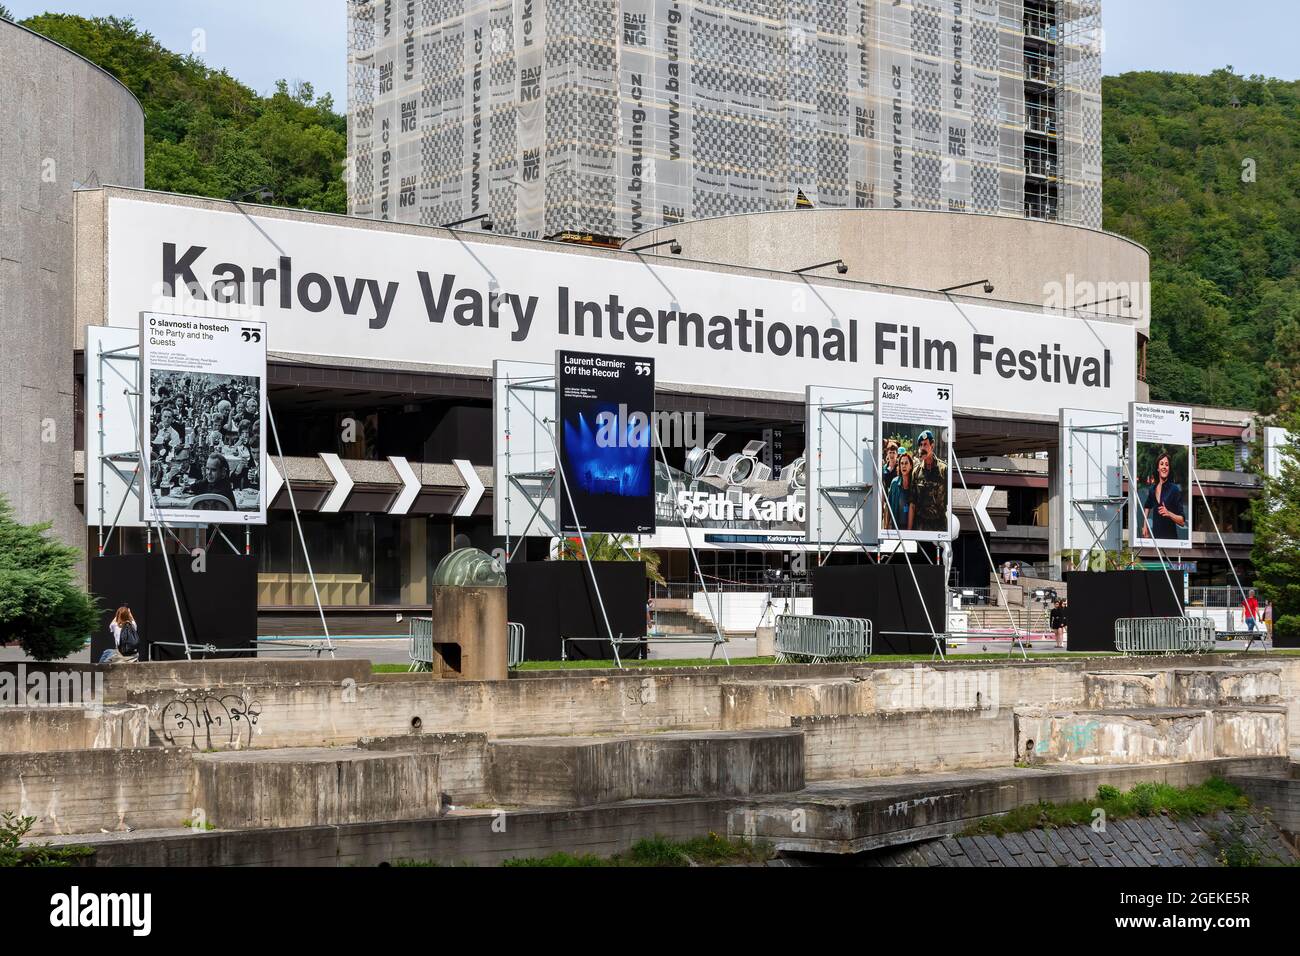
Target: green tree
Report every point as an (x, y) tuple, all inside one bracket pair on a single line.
[(207, 134), (5, 14), (41, 607), (1276, 553), (1205, 172)]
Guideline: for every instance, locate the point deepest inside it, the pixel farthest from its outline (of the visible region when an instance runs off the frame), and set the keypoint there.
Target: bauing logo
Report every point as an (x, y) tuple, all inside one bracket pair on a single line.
[(75, 909), (50, 688)]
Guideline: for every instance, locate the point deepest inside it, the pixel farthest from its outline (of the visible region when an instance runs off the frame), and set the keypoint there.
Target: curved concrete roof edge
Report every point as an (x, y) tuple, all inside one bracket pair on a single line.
[(931, 212), (68, 50)]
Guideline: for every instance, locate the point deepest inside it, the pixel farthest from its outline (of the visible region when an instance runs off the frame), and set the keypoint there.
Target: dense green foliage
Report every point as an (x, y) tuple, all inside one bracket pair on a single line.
[(1276, 551), (41, 606), (1213, 190), (207, 134), (13, 852), (1144, 800)]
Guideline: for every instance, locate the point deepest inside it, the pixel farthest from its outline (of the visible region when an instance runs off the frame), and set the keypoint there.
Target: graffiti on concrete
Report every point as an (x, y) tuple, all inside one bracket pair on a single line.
[(1076, 738), (207, 723), (906, 806)]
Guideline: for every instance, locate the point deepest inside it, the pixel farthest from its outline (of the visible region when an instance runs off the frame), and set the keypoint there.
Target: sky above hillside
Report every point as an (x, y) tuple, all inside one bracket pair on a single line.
[(259, 42)]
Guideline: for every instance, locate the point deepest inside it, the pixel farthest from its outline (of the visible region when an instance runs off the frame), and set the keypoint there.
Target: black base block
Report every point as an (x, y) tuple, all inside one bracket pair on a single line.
[(886, 595), (1097, 599), (555, 599), (218, 604)]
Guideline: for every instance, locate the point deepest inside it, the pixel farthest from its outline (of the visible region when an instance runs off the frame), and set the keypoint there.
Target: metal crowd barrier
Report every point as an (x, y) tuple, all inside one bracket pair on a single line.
[(421, 651), (1164, 635), (514, 645), (817, 638)]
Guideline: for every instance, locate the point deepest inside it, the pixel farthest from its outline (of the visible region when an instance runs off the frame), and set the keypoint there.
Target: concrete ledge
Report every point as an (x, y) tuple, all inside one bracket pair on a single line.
[(1151, 734), (83, 791), (36, 729), (309, 787), (869, 745), (586, 771), (1213, 686), (1134, 689), (483, 839), (853, 816), (461, 760), (752, 704)]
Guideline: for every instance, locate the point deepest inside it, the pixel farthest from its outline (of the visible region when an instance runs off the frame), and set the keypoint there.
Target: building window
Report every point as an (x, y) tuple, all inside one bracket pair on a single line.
[(359, 560)]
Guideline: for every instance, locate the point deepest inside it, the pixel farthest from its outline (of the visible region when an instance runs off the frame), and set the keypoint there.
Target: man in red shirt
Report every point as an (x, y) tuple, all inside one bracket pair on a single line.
[(1250, 609)]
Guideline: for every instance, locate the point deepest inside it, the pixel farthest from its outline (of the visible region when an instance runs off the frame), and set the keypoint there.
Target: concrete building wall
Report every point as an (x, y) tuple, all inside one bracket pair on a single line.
[(67, 124), (1040, 264)]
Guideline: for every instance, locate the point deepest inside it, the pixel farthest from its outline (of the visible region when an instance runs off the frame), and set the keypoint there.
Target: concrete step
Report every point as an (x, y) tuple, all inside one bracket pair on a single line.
[(588, 771), (749, 704), (1184, 687), (1150, 734), (297, 787), (70, 727), (850, 816), (1208, 686)]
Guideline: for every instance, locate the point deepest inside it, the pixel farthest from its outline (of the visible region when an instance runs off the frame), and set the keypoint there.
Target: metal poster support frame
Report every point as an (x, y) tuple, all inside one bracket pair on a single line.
[(997, 579), (1116, 502), (939, 639), (136, 481), (546, 383), (864, 407), (1231, 567)]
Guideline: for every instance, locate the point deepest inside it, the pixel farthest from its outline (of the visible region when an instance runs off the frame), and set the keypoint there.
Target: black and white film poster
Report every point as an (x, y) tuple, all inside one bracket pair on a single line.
[(1160, 494), (605, 408), (913, 440), (204, 412)]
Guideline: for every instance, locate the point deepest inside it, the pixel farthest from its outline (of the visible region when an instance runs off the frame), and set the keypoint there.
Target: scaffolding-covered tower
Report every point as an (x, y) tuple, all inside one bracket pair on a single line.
[(604, 118)]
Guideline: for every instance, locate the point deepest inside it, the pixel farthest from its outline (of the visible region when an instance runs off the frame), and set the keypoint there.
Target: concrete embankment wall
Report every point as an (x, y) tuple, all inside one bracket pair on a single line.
[(287, 706)]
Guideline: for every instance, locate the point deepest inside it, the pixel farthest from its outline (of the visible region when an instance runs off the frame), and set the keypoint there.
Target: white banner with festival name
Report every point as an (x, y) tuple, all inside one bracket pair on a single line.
[(367, 293)]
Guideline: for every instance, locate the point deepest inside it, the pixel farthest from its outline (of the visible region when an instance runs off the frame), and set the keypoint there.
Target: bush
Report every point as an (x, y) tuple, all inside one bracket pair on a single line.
[(41, 606), (1287, 628), (12, 853)]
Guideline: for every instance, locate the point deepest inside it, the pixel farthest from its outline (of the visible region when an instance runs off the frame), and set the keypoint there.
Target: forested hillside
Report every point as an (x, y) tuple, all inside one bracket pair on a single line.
[(206, 133), (1203, 170)]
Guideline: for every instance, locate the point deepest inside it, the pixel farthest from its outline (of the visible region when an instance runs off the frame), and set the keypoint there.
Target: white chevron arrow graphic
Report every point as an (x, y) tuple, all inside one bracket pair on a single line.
[(465, 507), (342, 483), (982, 503), (410, 486), (274, 481)]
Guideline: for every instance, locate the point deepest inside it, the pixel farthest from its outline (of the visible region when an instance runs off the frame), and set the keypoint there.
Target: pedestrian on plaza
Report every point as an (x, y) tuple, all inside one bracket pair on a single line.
[(1250, 611), (1268, 620), (126, 638), (1057, 622)]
